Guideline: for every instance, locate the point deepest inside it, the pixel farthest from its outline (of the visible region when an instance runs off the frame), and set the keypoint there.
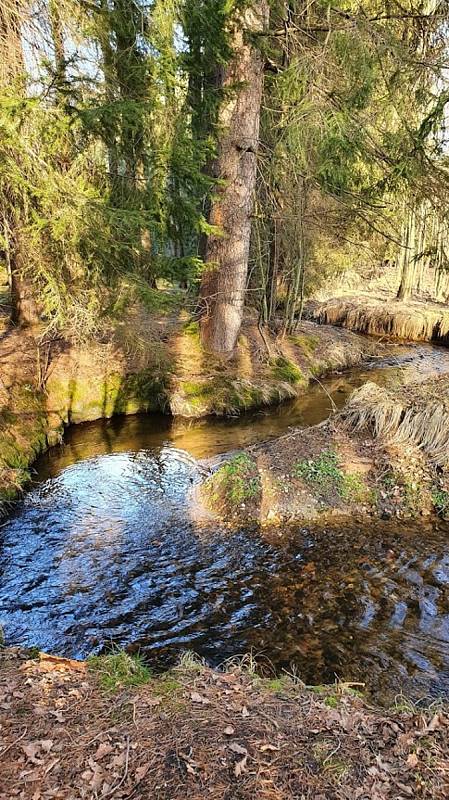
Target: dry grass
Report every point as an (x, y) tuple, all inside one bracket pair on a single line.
[(205, 734), (417, 414), (408, 321)]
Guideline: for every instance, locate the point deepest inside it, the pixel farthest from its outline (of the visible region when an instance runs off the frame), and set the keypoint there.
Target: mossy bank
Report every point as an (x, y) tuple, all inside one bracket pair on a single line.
[(149, 364), (382, 455)]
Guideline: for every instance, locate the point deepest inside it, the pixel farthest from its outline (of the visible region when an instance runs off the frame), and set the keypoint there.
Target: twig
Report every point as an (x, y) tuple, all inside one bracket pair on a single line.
[(333, 753), (13, 744), (333, 405)]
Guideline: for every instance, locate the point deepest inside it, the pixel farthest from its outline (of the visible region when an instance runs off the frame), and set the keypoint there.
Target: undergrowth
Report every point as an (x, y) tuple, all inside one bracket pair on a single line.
[(119, 669), (441, 502), (326, 474), (236, 480)]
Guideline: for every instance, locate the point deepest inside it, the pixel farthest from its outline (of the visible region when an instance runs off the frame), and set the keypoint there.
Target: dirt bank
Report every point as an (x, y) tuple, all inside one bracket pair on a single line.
[(68, 732), (386, 454), (151, 362), (383, 315)]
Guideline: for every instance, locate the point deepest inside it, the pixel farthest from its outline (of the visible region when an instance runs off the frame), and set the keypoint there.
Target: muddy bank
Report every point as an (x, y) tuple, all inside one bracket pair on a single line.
[(146, 365), (383, 315), (386, 454), (111, 729)]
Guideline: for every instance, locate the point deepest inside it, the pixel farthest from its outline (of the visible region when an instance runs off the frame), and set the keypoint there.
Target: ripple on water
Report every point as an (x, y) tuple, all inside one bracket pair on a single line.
[(103, 550)]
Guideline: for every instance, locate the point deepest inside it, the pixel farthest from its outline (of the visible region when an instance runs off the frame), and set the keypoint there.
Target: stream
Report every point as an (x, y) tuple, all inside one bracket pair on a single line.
[(102, 550)]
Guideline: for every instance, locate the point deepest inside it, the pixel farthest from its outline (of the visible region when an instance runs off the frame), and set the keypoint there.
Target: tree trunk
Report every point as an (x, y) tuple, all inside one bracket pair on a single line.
[(24, 308), (226, 253), (408, 262)]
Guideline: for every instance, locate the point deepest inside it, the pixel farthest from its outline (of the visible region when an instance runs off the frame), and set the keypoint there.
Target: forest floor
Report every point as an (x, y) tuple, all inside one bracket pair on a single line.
[(72, 731), (379, 313)]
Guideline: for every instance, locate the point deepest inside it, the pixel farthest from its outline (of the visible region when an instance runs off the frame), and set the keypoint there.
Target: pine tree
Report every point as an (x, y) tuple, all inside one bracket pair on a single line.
[(227, 250)]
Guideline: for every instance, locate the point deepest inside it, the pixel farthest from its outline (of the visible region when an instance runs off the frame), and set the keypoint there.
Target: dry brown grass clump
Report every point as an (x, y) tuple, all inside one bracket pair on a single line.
[(409, 321), (417, 414)]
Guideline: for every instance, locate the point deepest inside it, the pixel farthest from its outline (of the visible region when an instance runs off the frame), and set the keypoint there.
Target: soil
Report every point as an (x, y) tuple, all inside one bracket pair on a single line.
[(149, 362), (333, 469), (198, 733)]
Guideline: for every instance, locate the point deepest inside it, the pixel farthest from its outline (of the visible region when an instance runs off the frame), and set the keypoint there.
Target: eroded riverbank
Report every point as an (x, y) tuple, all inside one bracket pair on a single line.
[(149, 365)]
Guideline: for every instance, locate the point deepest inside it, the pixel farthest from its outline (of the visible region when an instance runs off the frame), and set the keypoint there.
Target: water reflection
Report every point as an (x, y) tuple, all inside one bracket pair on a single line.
[(102, 550)]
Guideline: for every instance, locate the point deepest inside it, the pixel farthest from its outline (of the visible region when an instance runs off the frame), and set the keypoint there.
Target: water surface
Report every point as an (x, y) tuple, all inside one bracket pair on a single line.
[(103, 550)]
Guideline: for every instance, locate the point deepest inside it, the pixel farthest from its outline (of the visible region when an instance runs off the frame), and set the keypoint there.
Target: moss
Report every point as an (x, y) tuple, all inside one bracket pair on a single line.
[(354, 489), (307, 342), (81, 399), (275, 685), (236, 481), (332, 701), (283, 369)]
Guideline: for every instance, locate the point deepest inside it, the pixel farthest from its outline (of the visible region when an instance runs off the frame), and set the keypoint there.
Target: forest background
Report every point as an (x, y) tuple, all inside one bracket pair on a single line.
[(221, 154)]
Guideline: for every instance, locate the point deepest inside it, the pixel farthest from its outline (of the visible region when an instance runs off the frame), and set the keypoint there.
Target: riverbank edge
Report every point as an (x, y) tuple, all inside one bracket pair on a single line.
[(384, 455), (383, 315), (111, 728), (60, 384)]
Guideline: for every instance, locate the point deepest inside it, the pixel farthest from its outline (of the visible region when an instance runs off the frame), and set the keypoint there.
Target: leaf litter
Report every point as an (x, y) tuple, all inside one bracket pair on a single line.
[(62, 737)]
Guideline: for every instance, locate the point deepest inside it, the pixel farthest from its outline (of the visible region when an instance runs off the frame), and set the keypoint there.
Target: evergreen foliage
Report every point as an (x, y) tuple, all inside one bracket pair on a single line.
[(109, 124)]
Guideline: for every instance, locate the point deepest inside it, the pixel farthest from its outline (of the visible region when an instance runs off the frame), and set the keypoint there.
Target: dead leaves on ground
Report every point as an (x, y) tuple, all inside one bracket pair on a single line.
[(222, 735)]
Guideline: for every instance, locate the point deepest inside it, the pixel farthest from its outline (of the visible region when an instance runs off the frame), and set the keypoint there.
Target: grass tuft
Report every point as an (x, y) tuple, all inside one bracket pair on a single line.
[(118, 670), (236, 480)]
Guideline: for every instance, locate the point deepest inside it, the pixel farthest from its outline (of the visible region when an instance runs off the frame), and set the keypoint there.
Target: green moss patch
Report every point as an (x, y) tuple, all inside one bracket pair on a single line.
[(236, 482), (282, 369), (325, 475)]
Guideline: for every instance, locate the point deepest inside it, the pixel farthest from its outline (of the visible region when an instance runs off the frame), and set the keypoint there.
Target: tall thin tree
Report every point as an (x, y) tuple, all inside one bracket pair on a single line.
[(227, 248)]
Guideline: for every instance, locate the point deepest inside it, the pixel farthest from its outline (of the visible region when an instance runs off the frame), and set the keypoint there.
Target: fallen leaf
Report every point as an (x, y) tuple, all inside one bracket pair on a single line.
[(31, 750), (154, 701), (434, 723), (245, 712), (266, 747), (240, 767), (142, 771), (198, 698), (57, 714), (229, 731), (46, 744), (103, 750), (412, 760)]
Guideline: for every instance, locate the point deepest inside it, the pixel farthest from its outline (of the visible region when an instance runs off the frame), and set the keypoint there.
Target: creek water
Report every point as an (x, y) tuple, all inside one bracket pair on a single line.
[(102, 550)]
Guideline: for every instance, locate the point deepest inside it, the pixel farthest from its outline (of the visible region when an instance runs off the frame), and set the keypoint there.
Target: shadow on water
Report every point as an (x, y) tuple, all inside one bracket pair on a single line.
[(102, 550)]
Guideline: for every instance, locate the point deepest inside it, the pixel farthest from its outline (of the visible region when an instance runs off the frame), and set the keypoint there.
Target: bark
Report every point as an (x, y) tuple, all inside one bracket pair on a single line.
[(408, 264), (226, 255), (24, 307)]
